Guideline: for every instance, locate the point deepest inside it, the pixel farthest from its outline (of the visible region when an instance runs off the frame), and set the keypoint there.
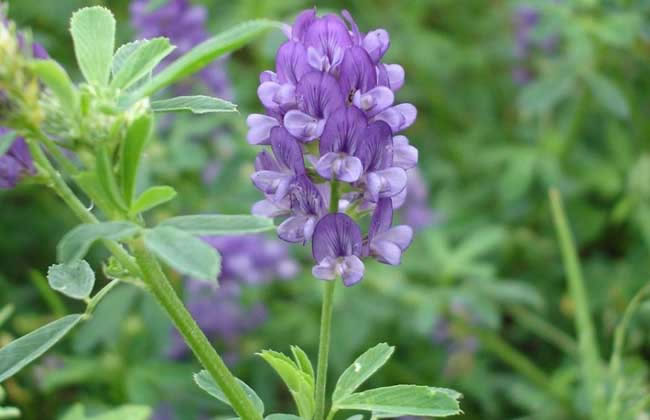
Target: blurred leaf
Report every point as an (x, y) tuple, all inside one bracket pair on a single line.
[(205, 53), (6, 140), (125, 412), (220, 224), (55, 77), (22, 351), (184, 252), (608, 95), (93, 33), (74, 279), (618, 29), (6, 312), (541, 95), (136, 139), (205, 381), (199, 104), (299, 383), (510, 292), (136, 64), (75, 244), (403, 400), (9, 413), (151, 198), (282, 417), (362, 369)]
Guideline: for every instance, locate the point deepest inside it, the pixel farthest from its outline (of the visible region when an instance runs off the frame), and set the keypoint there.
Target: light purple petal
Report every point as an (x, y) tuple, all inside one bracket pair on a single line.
[(287, 151), (390, 75), (401, 235), (357, 72), (382, 218), (375, 100), (303, 126), (340, 166), (267, 208), (376, 43), (297, 229), (302, 23), (398, 117), (275, 96), (387, 247), (329, 36), (399, 199), (291, 62), (259, 128), (326, 269), (352, 270), (344, 131), (268, 76), (336, 235), (405, 156), (385, 183)]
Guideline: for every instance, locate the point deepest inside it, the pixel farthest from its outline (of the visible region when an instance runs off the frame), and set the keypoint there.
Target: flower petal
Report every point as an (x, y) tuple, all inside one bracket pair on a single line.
[(375, 150), (344, 131), (287, 151), (352, 270), (376, 43), (398, 117), (319, 94), (339, 166), (405, 156), (382, 218), (291, 62), (357, 72), (390, 75), (329, 36), (301, 24), (326, 269), (303, 126), (267, 208), (259, 128), (336, 235), (375, 100), (297, 229)]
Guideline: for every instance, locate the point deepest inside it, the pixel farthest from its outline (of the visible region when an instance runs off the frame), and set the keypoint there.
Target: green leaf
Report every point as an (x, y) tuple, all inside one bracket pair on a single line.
[(184, 252), (56, 78), (303, 362), (75, 244), (151, 198), (220, 224), (196, 104), (205, 53), (608, 95), (74, 279), (299, 383), (205, 381), (279, 416), (130, 412), (89, 181), (6, 312), (6, 140), (139, 62), (542, 95), (405, 400), (106, 177), (93, 33), (19, 353), (9, 413), (362, 369), (136, 139)]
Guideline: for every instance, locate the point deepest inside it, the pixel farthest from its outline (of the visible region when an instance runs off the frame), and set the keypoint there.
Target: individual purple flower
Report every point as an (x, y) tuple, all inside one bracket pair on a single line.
[(16, 163), (184, 25), (331, 100), (337, 248)]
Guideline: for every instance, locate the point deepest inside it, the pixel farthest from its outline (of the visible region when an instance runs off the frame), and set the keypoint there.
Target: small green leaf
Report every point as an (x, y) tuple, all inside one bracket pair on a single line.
[(6, 140), (405, 400), (19, 353), (205, 381), (184, 252), (299, 383), (106, 177), (7, 413), (608, 95), (220, 224), (56, 78), (93, 33), (140, 62), (74, 279), (75, 244), (279, 416), (196, 104), (362, 369), (205, 53), (542, 95), (151, 198), (303, 362), (136, 139)]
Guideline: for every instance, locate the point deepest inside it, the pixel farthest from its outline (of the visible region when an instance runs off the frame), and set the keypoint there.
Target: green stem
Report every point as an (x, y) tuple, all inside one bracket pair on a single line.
[(194, 337), (616, 361), (51, 298), (92, 303), (146, 267), (325, 327), (545, 329)]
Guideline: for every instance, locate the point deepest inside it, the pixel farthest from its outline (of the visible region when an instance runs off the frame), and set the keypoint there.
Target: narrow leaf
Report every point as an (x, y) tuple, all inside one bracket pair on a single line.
[(405, 400), (19, 353), (184, 252), (205, 53), (362, 369), (279, 416), (196, 104), (93, 33), (74, 279), (6, 140), (542, 95), (205, 381), (151, 198), (106, 176), (303, 362), (220, 224), (89, 181), (136, 139), (140, 62), (75, 244), (56, 78), (608, 95)]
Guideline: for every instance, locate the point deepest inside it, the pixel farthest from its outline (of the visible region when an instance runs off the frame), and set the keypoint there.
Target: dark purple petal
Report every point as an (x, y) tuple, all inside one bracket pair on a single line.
[(356, 34), (319, 94), (265, 162), (329, 36), (336, 235), (305, 197), (376, 43), (357, 72), (375, 152), (344, 131), (302, 23), (382, 218), (291, 62), (287, 151)]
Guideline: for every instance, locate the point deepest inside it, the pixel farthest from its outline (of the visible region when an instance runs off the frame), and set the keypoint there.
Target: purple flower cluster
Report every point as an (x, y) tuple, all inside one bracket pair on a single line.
[(184, 25), (526, 19), (332, 125), (246, 260)]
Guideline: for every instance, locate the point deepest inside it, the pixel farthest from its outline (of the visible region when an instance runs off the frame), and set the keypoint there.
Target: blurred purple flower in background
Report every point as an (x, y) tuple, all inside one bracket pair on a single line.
[(416, 210), (15, 163), (459, 346), (250, 260), (330, 102), (184, 25), (526, 20)]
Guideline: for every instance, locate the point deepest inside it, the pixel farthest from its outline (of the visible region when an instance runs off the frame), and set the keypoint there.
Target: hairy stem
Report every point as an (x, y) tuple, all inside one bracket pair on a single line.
[(325, 327)]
